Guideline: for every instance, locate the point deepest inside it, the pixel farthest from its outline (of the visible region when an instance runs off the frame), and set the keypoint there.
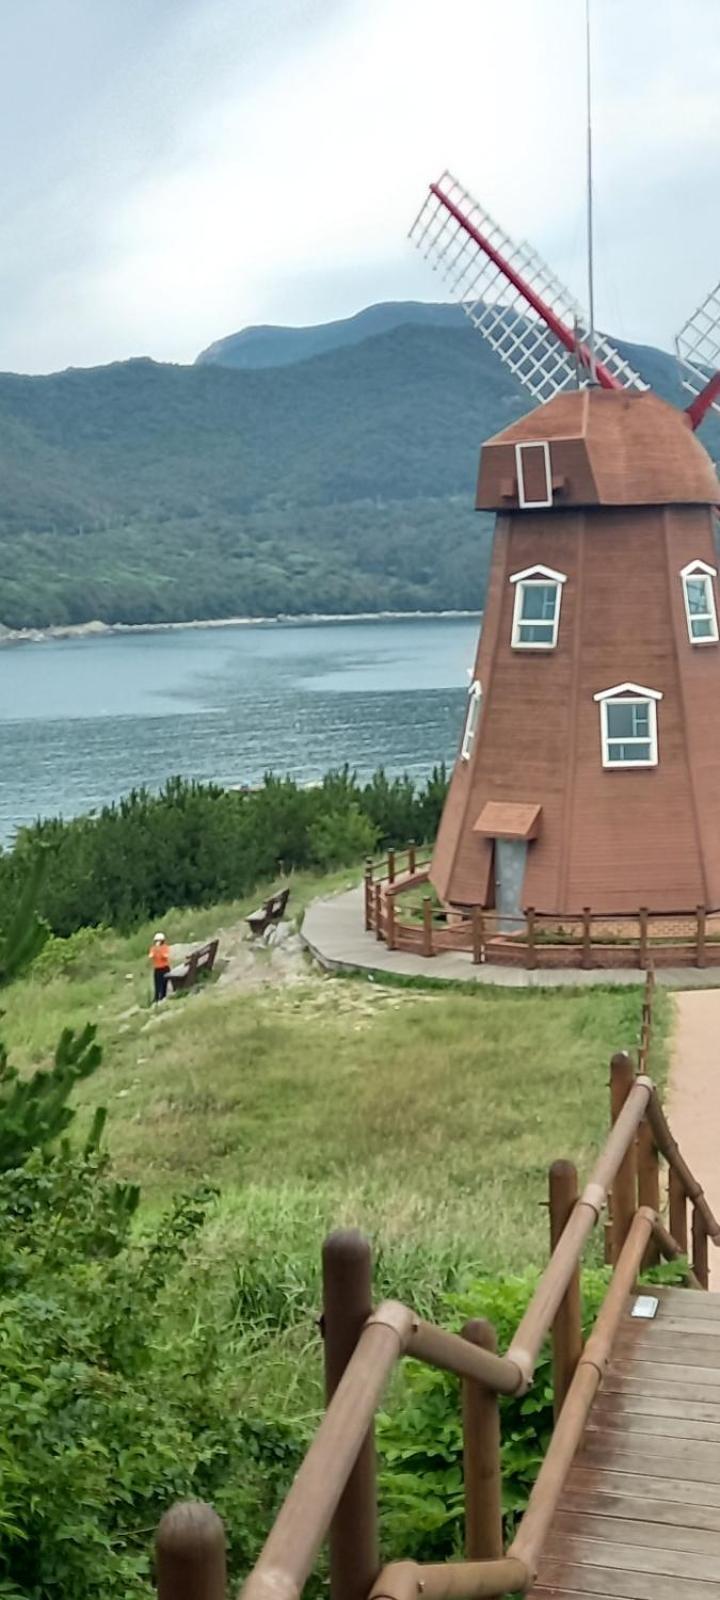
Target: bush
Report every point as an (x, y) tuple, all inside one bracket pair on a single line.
[(194, 843)]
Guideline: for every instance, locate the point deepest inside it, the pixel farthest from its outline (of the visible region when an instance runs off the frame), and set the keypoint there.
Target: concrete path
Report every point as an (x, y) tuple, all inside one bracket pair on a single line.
[(693, 1101), (333, 932)]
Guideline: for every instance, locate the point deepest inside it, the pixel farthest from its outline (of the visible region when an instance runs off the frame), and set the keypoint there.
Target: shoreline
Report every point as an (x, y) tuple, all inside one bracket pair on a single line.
[(105, 630)]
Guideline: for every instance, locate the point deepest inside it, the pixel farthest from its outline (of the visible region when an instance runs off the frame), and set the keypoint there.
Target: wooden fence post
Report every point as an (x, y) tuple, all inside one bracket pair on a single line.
[(678, 1210), (531, 961), (391, 866), (624, 1189), (427, 946), (648, 1171), (586, 937), (347, 1304), (700, 939), (481, 1456), (390, 921), (643, 949), (478, 935), (411, 856), (190, 1553), (567, 1327), (699, 1249), (378, 912), (368, 895)]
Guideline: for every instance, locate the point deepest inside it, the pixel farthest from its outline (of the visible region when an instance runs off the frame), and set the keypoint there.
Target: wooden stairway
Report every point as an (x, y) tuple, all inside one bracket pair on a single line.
[(639, 1516)]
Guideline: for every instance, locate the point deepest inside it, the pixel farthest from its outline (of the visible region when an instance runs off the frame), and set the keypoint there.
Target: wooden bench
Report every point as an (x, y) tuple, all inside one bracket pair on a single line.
[(200, 960), (270, 911)]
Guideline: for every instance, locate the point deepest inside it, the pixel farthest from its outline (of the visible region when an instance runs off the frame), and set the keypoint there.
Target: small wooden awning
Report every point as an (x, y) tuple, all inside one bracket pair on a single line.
[(508, 819)]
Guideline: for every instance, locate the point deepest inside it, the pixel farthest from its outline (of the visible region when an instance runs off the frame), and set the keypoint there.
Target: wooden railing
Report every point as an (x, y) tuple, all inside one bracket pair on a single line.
[(536, 939), (334, 1495)]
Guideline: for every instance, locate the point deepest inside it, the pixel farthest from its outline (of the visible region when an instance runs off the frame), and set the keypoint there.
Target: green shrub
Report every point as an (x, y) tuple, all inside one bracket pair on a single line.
[(194, 844)]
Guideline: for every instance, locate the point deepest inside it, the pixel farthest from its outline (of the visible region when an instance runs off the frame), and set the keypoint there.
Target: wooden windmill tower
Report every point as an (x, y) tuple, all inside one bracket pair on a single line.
[(589, 767)]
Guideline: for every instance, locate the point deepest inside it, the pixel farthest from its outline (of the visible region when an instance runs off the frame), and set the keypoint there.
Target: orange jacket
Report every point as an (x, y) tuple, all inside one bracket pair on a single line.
[(160, 955)]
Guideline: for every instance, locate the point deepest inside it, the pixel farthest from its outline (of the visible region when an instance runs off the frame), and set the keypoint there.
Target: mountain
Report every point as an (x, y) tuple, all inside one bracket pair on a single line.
[(279, 347), (340, 481)]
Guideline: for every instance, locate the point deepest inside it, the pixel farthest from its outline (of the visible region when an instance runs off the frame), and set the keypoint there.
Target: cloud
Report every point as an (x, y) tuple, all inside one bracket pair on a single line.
[(200, 165)]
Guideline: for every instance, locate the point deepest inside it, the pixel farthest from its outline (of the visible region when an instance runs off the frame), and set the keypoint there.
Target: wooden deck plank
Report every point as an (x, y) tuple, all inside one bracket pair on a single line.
[(666, 1371), (566, 1578), (620, 1404), (631, 1423), (687, 1302), (642, 1482), (679, 1453), (599, 1452), (672, 1536), (623, 1384), (693, 1351), (602, 1501), (633, 1557)]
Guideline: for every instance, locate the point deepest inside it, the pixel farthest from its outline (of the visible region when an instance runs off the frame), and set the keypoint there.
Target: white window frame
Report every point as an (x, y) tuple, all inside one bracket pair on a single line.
[(472, 720), (533, 444), (534, 578), (625, 694), (701, 569)]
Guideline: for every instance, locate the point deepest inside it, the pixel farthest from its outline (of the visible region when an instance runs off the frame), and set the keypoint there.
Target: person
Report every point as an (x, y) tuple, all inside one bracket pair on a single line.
[(159, 954)]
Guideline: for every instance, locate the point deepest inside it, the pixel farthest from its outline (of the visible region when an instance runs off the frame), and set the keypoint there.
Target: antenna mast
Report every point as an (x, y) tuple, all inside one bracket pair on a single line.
[(591, 282)]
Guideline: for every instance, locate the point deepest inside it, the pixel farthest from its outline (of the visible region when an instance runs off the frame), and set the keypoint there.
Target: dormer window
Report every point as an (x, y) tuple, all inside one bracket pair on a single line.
[(534, 476), (628, 725), (536, 613), (472, 719), (700, 608)]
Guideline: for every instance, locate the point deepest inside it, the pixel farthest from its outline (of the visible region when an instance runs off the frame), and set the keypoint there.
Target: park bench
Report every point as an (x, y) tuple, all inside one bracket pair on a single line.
[(270, 911), (200, 960)]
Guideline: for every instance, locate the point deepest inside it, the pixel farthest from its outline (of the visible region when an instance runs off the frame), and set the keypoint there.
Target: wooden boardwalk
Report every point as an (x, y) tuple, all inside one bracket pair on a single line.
[(639, 1517)]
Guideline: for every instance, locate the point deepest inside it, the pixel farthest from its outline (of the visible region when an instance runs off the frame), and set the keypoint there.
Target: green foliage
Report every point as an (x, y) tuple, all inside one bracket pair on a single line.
[(34, 1111), (23, 937), (194, 843)]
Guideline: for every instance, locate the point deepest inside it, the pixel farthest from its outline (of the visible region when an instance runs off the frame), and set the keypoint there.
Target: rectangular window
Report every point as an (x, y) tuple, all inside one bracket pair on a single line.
[(629, 733), (700, 608), (472, 720), (536, 615), (532, 462)]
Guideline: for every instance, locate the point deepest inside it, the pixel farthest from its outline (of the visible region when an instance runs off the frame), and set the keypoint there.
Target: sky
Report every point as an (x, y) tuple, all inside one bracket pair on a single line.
[(174, 170)]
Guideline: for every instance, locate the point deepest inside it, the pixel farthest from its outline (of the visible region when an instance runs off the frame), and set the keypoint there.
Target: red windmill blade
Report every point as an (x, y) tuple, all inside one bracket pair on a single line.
[(697, 346), (518, 305)]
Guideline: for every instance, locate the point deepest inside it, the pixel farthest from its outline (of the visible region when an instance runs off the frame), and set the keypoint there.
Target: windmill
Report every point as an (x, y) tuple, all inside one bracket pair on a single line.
[(588, 773)]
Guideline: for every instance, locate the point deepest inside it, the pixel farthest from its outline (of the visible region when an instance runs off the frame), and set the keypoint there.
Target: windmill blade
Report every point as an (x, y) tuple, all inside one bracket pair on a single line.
[(697, 346), (523, 311)]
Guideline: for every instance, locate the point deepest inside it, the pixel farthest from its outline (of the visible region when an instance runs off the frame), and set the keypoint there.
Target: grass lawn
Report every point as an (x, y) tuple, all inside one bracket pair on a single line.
[(427, 1117)]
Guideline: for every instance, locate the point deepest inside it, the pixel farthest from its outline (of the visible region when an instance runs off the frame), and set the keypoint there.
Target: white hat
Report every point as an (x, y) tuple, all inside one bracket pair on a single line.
[(158, 938)]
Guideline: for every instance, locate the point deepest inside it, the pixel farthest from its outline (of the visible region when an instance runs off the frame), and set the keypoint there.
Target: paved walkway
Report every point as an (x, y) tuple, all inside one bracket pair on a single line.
[(333, 931), (693, 1101)]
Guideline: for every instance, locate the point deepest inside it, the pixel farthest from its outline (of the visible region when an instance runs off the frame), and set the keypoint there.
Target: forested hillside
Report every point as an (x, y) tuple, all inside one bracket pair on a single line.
[(341, 481)]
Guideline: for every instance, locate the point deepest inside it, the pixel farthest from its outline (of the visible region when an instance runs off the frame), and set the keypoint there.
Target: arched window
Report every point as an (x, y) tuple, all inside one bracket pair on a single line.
[(472, 719), (628, 725), (536, 613), (700, 608)]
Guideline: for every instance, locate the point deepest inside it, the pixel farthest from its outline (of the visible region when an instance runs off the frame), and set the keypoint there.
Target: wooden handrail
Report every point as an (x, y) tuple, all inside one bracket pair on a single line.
[(290, 1551), (451, 1353), (549, 1484), (669, 1148), (452, 1580), (537, 1321)]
